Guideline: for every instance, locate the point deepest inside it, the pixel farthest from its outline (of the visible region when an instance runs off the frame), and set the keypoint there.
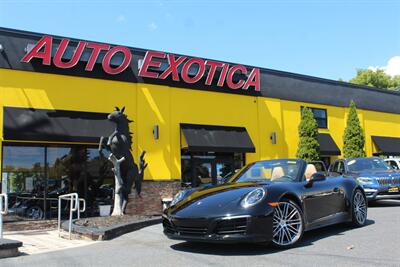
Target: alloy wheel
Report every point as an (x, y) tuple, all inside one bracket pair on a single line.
[(359, 208), (35, 213), (287, 226)]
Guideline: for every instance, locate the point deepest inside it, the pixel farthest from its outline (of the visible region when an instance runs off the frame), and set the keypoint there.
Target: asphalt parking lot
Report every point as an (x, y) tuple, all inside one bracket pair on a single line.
[(376, 244)]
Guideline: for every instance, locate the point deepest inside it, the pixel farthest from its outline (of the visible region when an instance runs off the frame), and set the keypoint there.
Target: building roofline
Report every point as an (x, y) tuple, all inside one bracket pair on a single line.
[(271, 71)]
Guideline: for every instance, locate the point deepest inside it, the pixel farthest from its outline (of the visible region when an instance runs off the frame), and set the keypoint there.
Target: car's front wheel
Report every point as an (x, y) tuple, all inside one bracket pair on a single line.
[(35, 213), (288, 224), (359, 209)]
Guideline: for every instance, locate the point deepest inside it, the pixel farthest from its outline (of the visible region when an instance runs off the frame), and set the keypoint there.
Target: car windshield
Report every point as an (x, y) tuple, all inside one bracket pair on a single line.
[(367, 164), (275, 171)]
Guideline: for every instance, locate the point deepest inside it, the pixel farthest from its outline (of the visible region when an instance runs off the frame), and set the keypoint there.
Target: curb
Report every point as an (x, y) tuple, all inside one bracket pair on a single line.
[(107, 233)]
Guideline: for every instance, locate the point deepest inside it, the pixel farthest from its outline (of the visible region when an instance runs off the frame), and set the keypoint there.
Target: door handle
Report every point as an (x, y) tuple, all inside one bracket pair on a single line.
[(336, 190)]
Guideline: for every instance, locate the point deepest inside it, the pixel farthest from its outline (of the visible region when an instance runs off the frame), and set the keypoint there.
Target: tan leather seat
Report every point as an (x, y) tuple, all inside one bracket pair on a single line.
[(310, 170), (277, 172)]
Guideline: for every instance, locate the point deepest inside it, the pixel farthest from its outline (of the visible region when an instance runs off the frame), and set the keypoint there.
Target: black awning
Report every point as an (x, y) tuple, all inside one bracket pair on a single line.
[(55, 125), (217, 138), (327, 145), (389, 146)]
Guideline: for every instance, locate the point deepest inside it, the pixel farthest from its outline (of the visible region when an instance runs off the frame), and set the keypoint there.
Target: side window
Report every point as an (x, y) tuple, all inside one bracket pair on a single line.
[(333, 167), (340, 167), (392, 164)]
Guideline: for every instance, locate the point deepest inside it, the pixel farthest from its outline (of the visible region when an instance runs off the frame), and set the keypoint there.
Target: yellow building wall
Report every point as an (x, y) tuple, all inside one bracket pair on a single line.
[(380, 124), (291, 116), (49, 91), (202, 107), (153, 108), (270, 121), (149, 105)]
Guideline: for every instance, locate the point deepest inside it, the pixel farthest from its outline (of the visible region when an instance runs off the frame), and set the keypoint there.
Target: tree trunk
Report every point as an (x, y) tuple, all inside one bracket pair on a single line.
[(117, 211)]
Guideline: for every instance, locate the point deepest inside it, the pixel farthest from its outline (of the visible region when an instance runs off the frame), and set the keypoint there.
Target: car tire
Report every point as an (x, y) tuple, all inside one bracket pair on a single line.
[(287, 224), (34, 213), (359, 209)]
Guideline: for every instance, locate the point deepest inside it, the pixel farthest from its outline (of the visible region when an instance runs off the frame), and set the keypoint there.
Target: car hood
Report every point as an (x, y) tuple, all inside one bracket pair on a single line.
[(383, 173), (213, 201)]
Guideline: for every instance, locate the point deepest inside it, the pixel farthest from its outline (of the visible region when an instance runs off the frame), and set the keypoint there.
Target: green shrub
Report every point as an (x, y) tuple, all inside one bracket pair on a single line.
[(308, 146)]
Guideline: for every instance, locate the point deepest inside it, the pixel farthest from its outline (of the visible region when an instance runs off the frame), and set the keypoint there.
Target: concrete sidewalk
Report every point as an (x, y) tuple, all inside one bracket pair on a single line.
[(41, 241)]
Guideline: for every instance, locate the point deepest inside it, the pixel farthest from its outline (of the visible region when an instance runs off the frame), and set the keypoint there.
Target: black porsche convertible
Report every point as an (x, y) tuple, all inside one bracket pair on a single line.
[(272, 201)]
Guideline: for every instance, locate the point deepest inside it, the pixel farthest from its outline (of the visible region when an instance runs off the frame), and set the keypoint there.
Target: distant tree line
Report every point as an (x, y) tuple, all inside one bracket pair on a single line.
[(376, 78)]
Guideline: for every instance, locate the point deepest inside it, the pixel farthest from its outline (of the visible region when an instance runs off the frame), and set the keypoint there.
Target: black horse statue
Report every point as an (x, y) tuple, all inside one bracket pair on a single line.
[(125, 170)]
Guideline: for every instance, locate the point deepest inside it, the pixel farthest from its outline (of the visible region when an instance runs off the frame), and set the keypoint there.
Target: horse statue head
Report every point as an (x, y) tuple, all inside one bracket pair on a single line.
[(122, 123), (117, 115)]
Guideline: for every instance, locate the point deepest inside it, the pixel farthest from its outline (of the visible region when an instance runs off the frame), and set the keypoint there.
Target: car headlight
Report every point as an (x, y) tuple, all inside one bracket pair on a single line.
[(365, 180), (178, 197), (253, 197)]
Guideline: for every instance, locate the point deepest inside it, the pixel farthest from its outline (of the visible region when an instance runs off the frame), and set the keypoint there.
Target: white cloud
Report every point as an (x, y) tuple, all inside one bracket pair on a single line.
[(152, 26), (121, 18), (392, 67)]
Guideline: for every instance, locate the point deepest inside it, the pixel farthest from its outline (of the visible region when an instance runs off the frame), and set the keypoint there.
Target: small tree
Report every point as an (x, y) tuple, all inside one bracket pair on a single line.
[(353, 138), (376, 78), (308, 147)]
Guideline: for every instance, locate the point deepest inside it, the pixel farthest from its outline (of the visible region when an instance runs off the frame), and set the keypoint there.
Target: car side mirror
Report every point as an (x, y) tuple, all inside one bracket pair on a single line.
[(316, 177)]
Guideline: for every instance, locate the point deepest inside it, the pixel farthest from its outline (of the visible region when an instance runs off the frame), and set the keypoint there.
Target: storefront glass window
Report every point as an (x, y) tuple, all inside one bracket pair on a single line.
[(34, 186), (100, 181), (23, 177)]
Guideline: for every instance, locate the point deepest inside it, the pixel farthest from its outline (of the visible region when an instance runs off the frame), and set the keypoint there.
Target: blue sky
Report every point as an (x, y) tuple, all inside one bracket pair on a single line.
[(327, 39)]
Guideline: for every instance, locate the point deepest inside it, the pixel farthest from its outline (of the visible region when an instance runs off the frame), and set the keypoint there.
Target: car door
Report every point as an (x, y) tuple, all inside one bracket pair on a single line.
[(323, 198)]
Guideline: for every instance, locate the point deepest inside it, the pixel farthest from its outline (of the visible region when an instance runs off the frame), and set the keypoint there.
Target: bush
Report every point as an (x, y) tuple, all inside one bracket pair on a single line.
[(308, 147), (353, 138)]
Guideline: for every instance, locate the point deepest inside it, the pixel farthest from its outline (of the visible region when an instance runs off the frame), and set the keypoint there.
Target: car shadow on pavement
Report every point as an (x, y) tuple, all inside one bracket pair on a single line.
[(333, 230), (256, 249), (384, 203)]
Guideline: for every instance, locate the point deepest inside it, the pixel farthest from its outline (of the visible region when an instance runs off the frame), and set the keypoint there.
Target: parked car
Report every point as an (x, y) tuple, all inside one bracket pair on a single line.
[(31, 206), (394, 163), (378, 179), (272, 201)]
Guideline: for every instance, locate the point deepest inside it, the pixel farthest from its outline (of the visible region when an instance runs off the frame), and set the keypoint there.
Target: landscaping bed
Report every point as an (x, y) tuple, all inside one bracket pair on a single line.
[(106, 228)]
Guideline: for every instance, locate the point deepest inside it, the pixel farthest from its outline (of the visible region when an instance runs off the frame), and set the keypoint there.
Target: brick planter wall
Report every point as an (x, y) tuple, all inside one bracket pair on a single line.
[(29, 225), (150, 201)]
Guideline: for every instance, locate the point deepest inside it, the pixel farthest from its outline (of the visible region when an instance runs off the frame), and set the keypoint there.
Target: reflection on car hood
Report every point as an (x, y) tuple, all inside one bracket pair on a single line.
[(203, 201), (380, 173)]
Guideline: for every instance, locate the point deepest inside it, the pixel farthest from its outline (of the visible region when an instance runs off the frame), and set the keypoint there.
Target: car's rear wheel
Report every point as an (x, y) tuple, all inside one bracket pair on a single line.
[(359, 209), (288, 224)]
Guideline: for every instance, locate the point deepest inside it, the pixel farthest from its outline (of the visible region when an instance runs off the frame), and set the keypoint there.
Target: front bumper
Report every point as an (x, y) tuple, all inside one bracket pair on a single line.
[(380, 193), (234, 229)]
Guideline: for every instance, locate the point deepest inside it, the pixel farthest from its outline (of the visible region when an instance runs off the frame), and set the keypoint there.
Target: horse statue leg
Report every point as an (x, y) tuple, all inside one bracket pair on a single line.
[(101, 145), (119, 186)]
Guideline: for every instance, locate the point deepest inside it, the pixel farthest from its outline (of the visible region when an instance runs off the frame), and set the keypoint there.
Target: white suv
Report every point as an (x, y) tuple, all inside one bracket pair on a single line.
[(394, 163)]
